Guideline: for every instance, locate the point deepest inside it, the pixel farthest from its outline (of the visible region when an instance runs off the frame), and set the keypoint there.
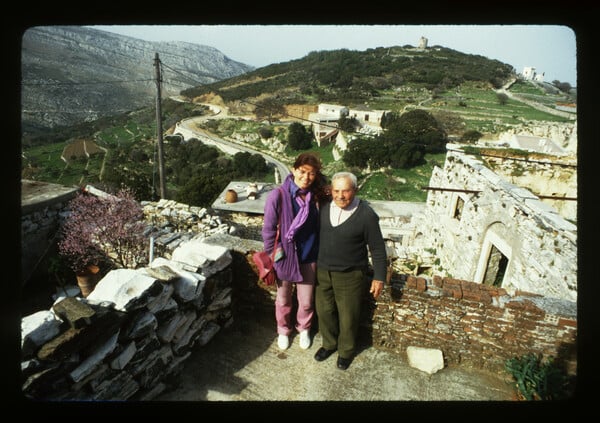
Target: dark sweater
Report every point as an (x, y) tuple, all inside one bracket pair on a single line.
[(347, 246)]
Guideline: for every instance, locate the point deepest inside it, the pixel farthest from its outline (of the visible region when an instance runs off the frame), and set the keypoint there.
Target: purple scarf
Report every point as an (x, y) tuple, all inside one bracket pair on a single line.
[(302, 213)]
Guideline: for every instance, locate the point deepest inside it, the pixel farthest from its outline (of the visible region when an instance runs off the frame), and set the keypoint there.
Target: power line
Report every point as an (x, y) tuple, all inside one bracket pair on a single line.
[(87, 83), (302, 119), (179, 72), (75, 111)]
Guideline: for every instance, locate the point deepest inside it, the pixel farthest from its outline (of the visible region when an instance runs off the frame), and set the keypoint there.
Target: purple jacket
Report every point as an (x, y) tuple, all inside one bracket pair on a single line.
[(288, 268)]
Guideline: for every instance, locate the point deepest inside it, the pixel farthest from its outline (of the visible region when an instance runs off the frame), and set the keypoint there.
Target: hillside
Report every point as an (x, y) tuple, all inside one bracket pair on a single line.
[(461, 91), (354, 77), (72, 74)]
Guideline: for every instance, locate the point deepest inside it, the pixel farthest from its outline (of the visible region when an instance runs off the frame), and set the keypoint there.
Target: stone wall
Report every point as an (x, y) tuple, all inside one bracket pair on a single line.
[(474, 324), (42, 206), (475, 214), (133, 331), (543, 179)]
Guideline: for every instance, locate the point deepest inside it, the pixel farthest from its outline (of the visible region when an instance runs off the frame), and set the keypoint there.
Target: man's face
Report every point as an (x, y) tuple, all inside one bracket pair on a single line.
[(342, 192)]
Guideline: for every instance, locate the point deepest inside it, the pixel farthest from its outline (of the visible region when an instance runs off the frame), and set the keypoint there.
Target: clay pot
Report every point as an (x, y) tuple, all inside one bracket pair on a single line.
[(231, 196), (87, 280)]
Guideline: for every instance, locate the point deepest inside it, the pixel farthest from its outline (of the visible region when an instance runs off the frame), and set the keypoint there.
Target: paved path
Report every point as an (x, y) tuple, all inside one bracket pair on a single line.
[(243, 363)]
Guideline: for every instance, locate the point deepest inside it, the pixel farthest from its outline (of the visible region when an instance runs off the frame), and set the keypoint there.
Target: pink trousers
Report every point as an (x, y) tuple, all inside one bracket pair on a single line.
[(284, 302)]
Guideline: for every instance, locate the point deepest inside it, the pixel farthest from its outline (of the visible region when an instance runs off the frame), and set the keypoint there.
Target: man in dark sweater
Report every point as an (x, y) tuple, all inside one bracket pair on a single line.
[(349, 231)]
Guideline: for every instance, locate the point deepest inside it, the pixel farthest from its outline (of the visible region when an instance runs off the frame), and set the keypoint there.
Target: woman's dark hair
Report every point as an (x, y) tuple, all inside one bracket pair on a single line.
[(320, 186)]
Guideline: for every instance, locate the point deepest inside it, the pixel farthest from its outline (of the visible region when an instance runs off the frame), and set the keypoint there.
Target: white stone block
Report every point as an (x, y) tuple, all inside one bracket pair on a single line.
[(429, 360), (39, 327)]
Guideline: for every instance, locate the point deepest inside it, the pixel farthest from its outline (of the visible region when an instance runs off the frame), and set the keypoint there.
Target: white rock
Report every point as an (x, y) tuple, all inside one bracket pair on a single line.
[(429, 360)]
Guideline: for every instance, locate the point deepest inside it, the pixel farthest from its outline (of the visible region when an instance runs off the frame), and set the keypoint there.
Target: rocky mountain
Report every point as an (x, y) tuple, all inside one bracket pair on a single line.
[(72, 74)]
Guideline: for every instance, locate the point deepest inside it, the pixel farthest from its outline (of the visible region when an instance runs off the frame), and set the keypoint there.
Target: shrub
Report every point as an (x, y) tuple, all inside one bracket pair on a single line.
[(99, 230), (265, 132), (537, 379), (471, 136)]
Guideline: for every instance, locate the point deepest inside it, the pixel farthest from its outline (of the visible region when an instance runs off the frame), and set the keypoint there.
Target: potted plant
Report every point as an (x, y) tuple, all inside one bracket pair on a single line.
[(101, 231)]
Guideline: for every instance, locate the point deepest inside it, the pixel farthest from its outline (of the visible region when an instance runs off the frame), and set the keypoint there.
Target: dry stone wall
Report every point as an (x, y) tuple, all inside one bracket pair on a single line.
[(134, 330)]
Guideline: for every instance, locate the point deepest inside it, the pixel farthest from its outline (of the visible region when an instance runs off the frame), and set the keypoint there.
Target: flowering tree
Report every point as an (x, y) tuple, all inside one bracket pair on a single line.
[(101, 229)]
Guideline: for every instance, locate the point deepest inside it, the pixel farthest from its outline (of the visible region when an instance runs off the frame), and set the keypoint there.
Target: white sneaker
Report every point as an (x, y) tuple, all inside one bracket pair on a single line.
[(283, 342), (304, 339)]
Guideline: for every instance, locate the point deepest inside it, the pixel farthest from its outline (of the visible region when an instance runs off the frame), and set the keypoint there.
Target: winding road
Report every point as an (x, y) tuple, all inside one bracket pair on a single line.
[(188, 128)]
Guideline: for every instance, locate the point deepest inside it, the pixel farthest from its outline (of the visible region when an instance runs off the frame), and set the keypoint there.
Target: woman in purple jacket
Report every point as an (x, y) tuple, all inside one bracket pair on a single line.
[(295, 205)]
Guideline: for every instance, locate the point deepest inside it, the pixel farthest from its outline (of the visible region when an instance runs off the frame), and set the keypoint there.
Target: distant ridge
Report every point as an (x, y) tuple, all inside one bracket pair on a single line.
[(72, 74)]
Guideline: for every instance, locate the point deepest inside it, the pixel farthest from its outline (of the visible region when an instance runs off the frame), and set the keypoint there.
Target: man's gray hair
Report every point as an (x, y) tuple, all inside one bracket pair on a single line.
[(348, 175)]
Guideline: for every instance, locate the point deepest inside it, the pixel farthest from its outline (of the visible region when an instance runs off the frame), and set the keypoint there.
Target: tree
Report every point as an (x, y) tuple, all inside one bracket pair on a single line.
[(269, 109), (407, 156), (265, 132), (247, 164), (299, 138), (415, 127), (565, 87), (348, 124), (388, 118), (127, 167), (471, 136), (356, 154), (102, 230), (502, 98), (203, 188)]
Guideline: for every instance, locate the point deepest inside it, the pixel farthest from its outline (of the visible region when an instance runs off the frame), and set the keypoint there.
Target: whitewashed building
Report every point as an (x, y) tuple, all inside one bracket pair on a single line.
[(325, 122)]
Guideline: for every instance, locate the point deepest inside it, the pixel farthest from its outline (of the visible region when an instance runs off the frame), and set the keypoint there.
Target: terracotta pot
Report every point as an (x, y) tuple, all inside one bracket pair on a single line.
[(231, 196), (88, 279)]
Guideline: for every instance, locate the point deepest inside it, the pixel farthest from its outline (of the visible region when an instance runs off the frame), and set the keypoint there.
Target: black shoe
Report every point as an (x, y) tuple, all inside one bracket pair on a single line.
[(343, 363), (323, 353)]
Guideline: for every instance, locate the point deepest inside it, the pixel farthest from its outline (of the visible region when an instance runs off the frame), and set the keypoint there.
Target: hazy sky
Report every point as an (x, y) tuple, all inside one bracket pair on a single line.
[(550, 49)]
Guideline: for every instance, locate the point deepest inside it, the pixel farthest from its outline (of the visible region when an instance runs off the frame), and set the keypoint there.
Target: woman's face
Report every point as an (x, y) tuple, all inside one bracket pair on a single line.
[(304, 176)]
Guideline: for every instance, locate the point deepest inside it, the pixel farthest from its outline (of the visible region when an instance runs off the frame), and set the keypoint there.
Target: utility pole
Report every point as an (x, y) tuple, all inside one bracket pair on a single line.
[(161, 164)]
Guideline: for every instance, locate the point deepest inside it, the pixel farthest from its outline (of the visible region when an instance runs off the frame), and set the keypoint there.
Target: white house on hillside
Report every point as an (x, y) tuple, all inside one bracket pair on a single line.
[(325, 121), (325, 126), (367, 117)]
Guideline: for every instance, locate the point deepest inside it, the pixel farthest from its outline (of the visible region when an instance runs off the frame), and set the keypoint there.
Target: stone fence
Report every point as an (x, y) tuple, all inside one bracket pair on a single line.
[(474, 324), (133, 331)]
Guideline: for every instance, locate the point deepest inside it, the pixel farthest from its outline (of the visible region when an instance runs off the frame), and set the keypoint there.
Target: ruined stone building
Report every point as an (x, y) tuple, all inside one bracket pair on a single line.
[(484, 229)]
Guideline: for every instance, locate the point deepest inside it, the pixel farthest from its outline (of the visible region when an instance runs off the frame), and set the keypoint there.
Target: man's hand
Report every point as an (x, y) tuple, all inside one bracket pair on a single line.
[(376, 288)]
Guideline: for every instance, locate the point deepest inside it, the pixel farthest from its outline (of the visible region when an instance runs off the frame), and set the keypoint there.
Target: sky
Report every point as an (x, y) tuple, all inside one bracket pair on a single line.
[(550, 49)]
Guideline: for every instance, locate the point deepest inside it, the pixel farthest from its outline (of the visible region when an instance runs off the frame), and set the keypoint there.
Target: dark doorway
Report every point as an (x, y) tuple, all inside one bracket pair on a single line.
[(496, 267)]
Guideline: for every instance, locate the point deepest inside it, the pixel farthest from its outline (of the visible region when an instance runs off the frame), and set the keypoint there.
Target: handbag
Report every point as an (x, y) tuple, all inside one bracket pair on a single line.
[(264, 261)]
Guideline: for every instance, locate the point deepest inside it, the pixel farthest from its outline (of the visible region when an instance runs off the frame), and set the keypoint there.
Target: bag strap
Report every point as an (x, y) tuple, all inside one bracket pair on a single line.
[(278, 223)]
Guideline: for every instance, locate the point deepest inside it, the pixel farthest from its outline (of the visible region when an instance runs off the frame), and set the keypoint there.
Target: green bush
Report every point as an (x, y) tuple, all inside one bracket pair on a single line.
[(538, 379), (265, 132)]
